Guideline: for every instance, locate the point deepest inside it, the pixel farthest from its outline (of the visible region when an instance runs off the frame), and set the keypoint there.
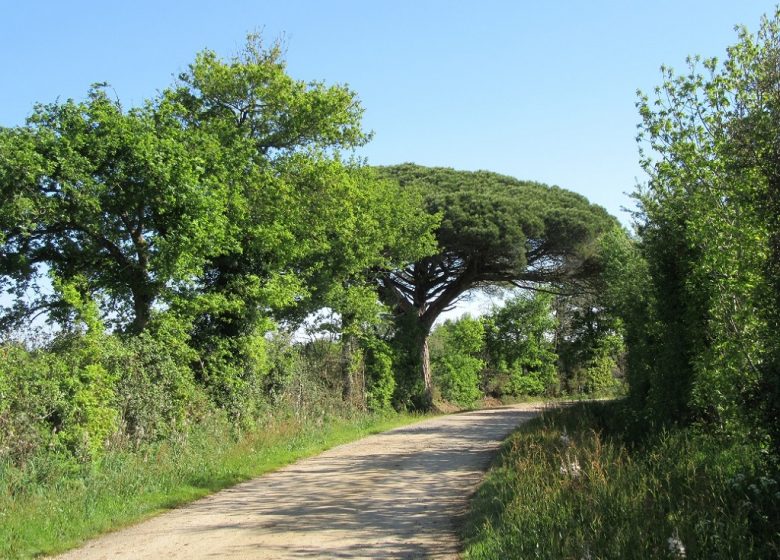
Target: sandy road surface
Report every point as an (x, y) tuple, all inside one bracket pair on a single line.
[(400, 494)]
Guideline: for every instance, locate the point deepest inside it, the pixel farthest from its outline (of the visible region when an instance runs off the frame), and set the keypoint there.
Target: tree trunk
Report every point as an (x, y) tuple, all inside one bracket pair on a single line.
[(143, 290), (425, 366), (414, 382), (347, 355), (142, 306)]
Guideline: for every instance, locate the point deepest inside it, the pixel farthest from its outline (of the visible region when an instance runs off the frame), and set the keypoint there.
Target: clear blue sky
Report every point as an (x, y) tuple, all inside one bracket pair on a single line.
[(538, 90)]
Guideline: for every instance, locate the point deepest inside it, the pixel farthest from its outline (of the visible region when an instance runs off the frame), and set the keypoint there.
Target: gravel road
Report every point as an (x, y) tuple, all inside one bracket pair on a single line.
[(399, 494)]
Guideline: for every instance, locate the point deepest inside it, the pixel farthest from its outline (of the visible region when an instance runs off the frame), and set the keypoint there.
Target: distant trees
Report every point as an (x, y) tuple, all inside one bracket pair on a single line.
[(457, 359), (521, 346), (494, 230), (516, 350)]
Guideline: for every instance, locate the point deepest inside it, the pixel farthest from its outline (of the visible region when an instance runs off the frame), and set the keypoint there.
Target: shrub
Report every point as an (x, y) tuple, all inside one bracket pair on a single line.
[(379, 374), (156, 392), (532, 378)]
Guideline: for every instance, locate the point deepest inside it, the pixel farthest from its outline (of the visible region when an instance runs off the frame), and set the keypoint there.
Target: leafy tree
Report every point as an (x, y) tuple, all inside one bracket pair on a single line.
[(303, 216), (308, 225), (519, 345), (130, 201), (589, 343), (281, 182), (457, 361), (495, 230), (627, 294)]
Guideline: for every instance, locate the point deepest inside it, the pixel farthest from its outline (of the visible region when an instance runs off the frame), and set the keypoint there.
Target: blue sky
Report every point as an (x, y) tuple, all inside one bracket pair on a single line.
[(538, 90)]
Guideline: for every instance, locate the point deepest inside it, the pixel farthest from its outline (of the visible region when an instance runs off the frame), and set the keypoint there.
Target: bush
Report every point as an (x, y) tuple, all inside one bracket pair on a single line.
[(156, 391), (379, 374), (28, 395), (532, 378), (458, 378), (56, 397)]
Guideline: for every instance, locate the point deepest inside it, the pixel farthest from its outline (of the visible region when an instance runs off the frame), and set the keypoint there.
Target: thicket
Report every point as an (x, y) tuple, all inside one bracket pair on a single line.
[(698, 288)]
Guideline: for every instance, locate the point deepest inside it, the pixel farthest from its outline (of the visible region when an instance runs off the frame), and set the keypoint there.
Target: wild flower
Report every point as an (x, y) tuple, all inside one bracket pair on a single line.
[(571, 468), (676, 546)]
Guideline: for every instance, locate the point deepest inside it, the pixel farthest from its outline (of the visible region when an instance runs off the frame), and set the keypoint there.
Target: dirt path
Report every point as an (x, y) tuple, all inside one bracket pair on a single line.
[(400, 494)]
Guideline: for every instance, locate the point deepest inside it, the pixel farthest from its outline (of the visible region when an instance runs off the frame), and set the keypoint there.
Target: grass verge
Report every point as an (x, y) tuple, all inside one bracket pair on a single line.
[(570, 485), (54, 505)]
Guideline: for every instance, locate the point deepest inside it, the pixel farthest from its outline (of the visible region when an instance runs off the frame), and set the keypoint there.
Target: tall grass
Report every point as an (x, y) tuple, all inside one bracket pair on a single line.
[(565, 488), (54, 504)]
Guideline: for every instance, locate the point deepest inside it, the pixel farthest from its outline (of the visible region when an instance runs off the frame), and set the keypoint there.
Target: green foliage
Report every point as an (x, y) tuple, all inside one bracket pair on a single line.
[(379, 374), (532, 377), (626, 293), (512, 350), (236, 371), (590, 344), (455, 359), (86, 389), (512, 226), (408, 343), (519, 346), (125, 200), (572, 485), (305, 219), (63, 396), (157, 396), (308, 225), (597, 375), (709, 231)]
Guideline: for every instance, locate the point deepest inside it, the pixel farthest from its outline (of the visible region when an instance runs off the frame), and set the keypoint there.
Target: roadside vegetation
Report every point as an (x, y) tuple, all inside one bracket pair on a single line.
[(587, 482), (53, 503), (688, 464)]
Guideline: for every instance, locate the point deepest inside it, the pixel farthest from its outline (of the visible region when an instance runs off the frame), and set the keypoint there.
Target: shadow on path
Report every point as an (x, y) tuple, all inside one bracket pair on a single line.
[(400, 494)]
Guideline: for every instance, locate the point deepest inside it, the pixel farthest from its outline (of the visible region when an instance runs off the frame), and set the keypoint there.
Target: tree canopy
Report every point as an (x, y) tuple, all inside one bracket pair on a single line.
[(230, 201), (128, 203), (495, 230), (308, 222), (229, 196)]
